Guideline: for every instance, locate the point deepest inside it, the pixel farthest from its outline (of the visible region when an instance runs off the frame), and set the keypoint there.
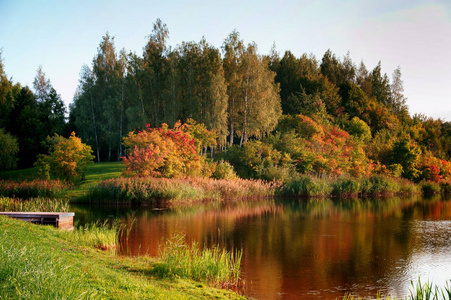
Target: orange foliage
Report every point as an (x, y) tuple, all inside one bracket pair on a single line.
[(162, 152)]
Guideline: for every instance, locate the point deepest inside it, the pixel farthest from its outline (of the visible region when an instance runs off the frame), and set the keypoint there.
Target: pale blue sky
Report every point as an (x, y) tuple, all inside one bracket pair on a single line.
[(63, 35)]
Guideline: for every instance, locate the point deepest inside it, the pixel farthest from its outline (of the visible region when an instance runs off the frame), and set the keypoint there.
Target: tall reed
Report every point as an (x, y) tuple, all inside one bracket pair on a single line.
[(151, 190), (189, 261), (33, 204), (34, 188), (100, 235)]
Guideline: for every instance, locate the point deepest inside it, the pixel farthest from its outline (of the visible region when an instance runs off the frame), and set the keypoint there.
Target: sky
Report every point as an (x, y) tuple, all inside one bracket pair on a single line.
[(62, 36)]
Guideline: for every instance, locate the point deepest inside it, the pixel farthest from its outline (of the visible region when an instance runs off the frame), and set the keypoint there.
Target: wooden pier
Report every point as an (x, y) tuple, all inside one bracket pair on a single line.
[(58, 219)]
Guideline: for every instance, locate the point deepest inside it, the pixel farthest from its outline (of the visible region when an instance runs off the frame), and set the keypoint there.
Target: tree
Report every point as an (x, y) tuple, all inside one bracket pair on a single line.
[(331, 68), (233, 50), (398, 101), (9, 148), (155, 72), (86, 110), (6, 96), (380, 86), (68, 159), (261, 108), (41, 85)]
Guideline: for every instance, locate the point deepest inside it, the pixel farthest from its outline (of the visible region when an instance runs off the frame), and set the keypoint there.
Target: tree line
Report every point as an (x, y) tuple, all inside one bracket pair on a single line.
[(241, 95)]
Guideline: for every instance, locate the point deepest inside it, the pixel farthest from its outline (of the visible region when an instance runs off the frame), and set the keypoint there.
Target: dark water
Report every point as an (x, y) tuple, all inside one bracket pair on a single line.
[(309, 249)]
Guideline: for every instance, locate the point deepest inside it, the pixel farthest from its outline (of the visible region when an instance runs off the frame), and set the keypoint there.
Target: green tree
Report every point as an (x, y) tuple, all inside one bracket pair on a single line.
[(233, 51), (9, 148), (398, 101)]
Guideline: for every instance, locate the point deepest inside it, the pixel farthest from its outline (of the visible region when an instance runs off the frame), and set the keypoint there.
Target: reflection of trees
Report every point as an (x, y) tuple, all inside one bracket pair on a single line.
[(297, 246)]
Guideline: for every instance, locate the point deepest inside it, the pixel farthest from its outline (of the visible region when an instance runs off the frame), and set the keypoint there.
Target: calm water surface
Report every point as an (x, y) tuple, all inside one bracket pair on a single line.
[(309, 249)]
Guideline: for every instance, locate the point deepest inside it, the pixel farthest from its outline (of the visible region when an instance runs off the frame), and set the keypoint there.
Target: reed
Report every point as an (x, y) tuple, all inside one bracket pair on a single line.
[(306, 185), (418, 291), (34, 188), (99, 235), (33, 204), (345, 186), (189, 261), (151, 190)]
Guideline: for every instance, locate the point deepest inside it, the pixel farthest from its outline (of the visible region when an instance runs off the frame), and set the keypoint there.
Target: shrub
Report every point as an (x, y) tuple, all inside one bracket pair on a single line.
[(162, 152), (381, 184), (224, 170), (430, 187), (345, 186), (68, 159), (308, 186)]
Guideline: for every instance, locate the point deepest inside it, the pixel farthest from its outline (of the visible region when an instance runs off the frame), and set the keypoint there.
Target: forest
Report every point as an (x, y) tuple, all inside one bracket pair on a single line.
[(268, 116)]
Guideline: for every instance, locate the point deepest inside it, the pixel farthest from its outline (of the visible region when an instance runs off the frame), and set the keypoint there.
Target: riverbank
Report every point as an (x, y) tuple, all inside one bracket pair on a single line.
[(40, 262), (104, 181)]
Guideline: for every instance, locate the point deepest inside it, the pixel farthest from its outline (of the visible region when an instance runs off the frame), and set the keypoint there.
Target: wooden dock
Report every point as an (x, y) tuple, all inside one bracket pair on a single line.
[(58, 219)]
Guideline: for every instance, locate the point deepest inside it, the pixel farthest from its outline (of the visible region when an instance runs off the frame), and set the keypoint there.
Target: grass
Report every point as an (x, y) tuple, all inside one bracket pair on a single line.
[(210, 265), (98, 235), (418, 291), (41, 262), (33, 204)]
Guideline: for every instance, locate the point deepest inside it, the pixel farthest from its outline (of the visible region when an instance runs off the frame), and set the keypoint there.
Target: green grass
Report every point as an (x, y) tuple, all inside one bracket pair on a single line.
[(33, 204), (213, 265), (40, 262)]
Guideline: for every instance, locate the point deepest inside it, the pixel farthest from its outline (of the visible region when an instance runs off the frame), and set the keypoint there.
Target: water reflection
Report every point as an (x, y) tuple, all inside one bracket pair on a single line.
[(308, 248)]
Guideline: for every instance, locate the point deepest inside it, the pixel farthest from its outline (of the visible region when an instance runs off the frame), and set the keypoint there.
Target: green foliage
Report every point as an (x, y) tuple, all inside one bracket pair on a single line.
[(309, 186), (224, 170), (68, 159), (406, 153), (345, 186), (430, 187), (9, 149), (359, 129), (257, 159)]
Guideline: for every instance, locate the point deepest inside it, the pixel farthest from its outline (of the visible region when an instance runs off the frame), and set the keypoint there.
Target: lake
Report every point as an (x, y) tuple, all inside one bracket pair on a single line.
[(309, 249)]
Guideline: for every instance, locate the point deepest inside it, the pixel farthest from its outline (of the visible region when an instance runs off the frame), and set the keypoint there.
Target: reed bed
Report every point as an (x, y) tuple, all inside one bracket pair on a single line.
[(346, 186), (177, 259), (33, 188), (33, 204), (150, 190)]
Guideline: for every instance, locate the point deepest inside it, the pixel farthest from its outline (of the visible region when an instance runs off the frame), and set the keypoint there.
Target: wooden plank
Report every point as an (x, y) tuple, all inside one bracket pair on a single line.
[(63, 220)]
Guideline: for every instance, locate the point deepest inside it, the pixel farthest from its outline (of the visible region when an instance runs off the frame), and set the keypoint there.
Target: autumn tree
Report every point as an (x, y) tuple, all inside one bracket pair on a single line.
[(67, 159)]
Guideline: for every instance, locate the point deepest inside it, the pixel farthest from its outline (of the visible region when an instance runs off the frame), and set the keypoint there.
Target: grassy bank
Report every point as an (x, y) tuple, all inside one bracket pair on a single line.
[(104, 181), (40, 262)]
